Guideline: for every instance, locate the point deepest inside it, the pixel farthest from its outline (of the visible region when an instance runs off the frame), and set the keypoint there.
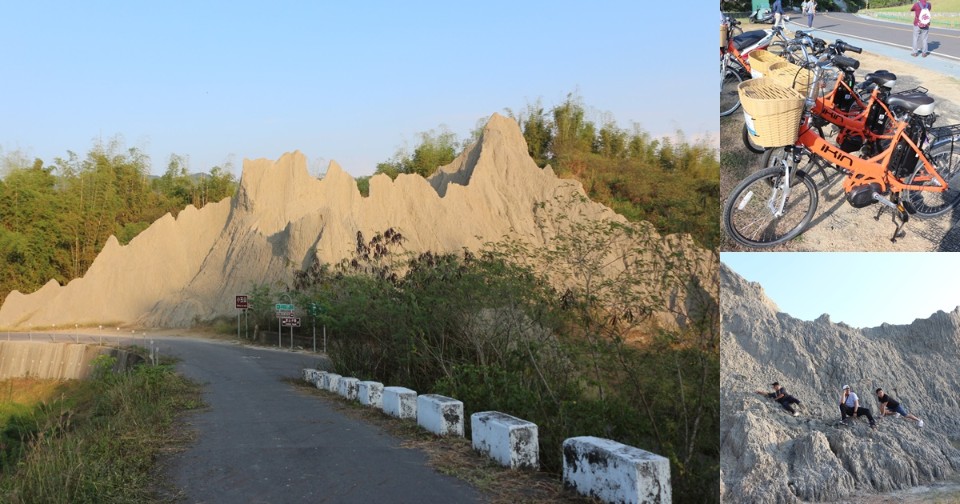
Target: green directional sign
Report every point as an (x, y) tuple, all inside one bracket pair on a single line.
[(285, 307), (313, 309)]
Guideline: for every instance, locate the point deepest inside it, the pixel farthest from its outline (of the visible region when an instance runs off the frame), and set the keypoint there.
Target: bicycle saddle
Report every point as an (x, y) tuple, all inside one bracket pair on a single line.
[(747, 39), (917, 103), (882, 78)]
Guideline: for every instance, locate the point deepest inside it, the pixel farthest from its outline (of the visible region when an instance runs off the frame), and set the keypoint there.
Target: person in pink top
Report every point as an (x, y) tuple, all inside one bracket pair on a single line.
[(921, 27)]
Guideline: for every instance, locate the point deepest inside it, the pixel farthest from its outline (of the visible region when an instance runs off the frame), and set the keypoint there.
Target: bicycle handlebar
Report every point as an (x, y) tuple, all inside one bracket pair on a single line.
[(843, 61), (844, 47)]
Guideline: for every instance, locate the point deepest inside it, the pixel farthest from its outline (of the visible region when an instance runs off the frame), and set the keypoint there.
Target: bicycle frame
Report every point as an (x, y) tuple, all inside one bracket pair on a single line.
[(872, 170)]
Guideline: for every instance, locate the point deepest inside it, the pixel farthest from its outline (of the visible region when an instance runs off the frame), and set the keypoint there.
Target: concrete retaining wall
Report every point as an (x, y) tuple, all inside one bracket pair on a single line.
[(615, 472), (59, 361)]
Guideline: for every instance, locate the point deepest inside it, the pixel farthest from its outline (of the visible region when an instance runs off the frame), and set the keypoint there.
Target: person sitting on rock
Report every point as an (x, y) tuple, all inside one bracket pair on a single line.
[(890, 406), (780, 395), (850, 406)]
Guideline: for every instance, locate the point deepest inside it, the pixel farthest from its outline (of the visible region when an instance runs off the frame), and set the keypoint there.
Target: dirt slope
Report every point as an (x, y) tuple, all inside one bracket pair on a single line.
[(769, 456)]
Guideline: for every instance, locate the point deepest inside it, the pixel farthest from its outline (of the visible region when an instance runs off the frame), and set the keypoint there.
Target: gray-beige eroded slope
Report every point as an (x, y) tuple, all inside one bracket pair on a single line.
[(768, 456), (183, 271)]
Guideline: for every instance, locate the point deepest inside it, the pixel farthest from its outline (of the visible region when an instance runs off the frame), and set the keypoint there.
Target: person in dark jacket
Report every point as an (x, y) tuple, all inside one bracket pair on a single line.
[(890, 406), (777, 8), (780, 395)]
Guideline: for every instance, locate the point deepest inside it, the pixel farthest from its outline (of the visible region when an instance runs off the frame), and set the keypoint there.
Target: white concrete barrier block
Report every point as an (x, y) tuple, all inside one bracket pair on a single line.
[(400, 402), (615, 472), (370, 393), (306, 374), (507, 439), (440, 415), (348, 388), (331, 382), (318, 379)]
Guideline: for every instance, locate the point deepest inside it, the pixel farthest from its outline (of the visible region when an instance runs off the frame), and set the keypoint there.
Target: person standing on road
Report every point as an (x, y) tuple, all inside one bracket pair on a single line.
[(809, 8), (890, 406), (921, 27), (780, 395), (777, 9), (850, 406)]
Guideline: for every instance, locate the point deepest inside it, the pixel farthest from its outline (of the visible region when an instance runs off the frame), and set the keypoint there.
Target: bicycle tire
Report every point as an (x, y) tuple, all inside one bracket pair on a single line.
[(748, 142), (748, 218), (730, 80), (945, 157)]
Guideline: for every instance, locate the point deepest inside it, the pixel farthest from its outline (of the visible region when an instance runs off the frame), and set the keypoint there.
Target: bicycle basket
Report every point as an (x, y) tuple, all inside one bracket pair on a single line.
[(790, 75), (773, 111), (723, 36), (760, 62)]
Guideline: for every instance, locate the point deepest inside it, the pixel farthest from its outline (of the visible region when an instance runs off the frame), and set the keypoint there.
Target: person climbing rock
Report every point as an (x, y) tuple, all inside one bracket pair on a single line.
[(850, 406), (780, 395), (890, 406)]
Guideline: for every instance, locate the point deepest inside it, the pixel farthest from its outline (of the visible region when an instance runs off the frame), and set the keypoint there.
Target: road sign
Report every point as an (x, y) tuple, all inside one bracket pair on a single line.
[(285, 307), (241, 302), (313, 309), (290, 321), (284, 313)]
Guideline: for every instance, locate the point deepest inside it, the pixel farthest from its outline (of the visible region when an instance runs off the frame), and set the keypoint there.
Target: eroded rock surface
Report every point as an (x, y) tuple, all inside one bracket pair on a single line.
[(768, 456)]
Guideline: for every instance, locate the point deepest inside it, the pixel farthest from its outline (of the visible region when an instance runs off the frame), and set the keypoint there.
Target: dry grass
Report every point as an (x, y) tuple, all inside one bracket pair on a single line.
[(455, 457)]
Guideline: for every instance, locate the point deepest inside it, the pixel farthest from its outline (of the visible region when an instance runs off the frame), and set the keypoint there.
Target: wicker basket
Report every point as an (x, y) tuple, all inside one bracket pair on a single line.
[(723, 36), (760, 62), (790, 75), (772, 112)]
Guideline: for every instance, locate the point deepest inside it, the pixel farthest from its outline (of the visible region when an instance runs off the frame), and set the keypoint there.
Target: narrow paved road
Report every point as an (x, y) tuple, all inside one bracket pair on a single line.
[(942, 41), (261, 441), (887, 39)]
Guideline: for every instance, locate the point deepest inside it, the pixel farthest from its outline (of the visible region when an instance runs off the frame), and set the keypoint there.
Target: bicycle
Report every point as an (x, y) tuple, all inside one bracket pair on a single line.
[(849, 106), (734, 61), (777, 203)]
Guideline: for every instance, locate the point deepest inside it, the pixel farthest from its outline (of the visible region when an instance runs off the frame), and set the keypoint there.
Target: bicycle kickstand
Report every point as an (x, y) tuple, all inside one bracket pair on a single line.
[(899, 214)]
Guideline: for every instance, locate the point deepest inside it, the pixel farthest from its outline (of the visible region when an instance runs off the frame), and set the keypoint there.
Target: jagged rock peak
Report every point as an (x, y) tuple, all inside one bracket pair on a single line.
[(500, 153)]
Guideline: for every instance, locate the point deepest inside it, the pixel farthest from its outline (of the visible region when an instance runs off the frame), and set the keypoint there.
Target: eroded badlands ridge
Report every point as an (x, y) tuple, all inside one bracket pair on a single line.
[(183, 271)]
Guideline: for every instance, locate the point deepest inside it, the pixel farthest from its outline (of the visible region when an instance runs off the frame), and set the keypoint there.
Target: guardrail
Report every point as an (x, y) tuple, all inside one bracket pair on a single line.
[(596, 467)]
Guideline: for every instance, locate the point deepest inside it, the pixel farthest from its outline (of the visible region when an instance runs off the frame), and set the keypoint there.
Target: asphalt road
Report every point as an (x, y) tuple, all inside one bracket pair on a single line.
[(261, 441), (887, 38)]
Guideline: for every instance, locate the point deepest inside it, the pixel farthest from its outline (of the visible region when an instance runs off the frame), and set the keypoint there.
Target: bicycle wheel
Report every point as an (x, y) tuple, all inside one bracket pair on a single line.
[(748, 142), (759, 213), (945, 158), (730, 79)]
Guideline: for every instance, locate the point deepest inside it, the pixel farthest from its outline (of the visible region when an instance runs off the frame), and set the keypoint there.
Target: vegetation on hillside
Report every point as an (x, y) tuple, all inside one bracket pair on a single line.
[(92, 440), (55, 218), (494, 332), (671, 183)]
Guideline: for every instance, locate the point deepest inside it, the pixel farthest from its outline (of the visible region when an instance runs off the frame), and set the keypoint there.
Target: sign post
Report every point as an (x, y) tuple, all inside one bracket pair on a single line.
[(241, 305), (290, 322), (314, 309), (283, 310)]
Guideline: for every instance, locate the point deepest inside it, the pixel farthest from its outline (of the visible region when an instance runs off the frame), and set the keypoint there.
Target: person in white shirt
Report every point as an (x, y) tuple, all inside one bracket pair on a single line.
[(850, 406)]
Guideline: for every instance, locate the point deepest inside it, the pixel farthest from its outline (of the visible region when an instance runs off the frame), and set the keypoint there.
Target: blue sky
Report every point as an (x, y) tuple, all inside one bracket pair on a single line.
[(861, 289), (350, 81)]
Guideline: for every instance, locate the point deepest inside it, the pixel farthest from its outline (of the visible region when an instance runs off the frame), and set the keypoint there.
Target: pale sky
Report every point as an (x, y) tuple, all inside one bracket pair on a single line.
[(861, 289), (219, 81)]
